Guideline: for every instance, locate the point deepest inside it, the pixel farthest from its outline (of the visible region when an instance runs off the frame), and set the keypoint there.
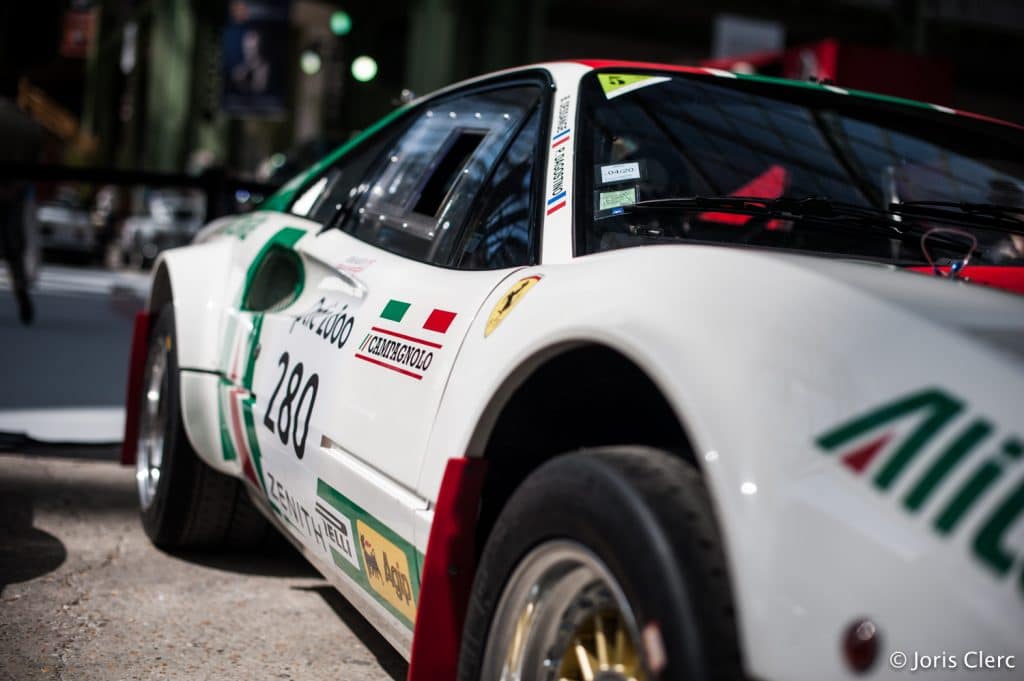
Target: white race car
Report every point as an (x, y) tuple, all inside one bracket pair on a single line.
[(600, 370)]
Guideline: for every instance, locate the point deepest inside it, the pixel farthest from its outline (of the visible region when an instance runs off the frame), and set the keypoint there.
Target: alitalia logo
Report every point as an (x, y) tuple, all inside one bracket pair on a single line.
[(963, 463)]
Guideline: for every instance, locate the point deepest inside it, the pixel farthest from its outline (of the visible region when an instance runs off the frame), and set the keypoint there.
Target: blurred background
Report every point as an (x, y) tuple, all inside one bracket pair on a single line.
[(256, 89), (127, 124)]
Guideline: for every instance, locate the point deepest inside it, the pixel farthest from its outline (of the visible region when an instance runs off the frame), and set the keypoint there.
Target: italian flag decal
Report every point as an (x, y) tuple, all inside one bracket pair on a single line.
[(967, 475)]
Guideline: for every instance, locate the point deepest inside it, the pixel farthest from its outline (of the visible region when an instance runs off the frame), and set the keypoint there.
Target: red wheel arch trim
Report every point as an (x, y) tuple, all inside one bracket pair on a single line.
[(448, 570), (136, 365)]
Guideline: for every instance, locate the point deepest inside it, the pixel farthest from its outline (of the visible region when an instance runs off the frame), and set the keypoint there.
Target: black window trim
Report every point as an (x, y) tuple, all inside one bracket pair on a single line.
[(536, 77), (476, 208)]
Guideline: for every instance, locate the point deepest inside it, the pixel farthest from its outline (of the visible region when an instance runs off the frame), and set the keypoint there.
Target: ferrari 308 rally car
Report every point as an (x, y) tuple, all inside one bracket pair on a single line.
[(601, 370)]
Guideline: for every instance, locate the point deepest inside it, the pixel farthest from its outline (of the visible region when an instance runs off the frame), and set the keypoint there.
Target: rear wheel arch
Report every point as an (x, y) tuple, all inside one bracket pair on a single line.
[(566, 398), (160, 293)]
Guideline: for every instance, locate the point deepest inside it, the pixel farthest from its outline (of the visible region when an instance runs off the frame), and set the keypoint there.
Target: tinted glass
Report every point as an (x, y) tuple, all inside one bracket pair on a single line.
[(501, 236), (342, 184), (679, 136), (418, 204)]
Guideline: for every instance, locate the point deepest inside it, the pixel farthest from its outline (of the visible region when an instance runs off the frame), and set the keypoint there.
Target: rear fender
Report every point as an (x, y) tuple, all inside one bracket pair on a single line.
[(198, 281)]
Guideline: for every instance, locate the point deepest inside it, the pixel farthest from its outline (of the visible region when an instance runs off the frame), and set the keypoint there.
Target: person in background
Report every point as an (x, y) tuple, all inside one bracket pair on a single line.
[(20, 142)]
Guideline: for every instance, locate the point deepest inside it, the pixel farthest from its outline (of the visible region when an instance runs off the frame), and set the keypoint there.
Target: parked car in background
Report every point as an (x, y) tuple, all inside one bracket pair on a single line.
[(65, 227), (171, 218)]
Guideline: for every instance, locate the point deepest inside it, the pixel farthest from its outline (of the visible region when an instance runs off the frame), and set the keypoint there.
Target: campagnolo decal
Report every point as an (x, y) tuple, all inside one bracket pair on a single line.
[(330, 321), (329, 529), (403, 354), (559, 143), (399, 351), (887, 441)]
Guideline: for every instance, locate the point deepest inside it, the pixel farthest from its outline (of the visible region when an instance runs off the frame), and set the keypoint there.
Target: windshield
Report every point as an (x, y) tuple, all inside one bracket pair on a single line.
[(648, 137)]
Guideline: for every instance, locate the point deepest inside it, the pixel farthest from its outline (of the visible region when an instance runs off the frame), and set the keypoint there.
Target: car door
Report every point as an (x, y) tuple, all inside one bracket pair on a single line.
[(350, 373), (406, 239)]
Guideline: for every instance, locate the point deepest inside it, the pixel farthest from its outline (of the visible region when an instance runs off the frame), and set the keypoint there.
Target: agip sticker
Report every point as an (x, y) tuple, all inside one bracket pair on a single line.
[(387, 569)]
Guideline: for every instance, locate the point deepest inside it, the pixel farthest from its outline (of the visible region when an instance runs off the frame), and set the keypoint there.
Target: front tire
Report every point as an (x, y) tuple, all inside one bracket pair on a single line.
[(184, 503), (604, 564)]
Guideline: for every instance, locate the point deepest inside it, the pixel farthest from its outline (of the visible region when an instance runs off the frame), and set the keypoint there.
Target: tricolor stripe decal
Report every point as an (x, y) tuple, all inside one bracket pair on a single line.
[(558, 200)]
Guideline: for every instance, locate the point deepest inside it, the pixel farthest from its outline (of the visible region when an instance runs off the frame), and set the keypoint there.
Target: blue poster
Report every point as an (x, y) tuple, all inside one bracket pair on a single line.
[(254, 52)]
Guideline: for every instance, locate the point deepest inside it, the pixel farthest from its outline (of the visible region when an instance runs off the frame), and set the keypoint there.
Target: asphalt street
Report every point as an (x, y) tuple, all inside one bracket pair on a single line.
[(64, 376), (83, 593)]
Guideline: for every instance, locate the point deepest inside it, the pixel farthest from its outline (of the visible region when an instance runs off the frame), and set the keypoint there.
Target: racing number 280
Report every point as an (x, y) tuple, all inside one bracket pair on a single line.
[(290, 412)]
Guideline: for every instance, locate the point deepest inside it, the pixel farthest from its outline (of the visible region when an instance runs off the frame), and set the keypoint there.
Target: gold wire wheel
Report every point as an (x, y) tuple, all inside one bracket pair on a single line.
[(601, 649), (563, 617)]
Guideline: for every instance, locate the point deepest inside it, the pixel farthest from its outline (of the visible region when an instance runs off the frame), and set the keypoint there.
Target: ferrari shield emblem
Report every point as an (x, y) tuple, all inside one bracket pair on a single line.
[(509, 301)]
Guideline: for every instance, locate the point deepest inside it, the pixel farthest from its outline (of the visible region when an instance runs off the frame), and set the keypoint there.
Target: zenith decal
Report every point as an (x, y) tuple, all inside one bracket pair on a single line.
[(559, 143), (331, 531), (508, 301), (886, 441), (401, 352), (390, 564)]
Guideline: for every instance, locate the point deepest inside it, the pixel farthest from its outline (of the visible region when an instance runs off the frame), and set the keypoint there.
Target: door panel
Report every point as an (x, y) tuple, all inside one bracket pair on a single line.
[(331, 388), (406, 333)]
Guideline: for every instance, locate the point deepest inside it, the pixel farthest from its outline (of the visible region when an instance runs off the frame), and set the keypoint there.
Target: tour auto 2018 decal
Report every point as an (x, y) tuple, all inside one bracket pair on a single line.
[(973, 459)]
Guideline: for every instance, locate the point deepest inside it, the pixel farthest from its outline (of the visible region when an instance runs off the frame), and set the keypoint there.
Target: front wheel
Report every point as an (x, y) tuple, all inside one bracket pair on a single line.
[(605, 564)]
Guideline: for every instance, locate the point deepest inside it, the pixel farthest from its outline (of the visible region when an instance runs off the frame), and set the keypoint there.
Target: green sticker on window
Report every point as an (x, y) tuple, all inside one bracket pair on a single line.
[(619, 197), (615, 84)]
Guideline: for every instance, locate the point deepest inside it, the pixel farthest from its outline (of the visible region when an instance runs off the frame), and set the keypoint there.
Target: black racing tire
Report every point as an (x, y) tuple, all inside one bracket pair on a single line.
[(647, 516), (193, 506)]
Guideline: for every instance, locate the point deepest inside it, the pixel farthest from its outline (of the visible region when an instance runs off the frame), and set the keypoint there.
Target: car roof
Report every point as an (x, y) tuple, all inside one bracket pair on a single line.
[(285, 194), (702, 71)]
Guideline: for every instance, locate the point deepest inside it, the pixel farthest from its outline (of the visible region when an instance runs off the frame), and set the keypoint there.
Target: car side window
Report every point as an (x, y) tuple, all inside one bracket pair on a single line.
[(502, 233), (341, 185), (418, 204)]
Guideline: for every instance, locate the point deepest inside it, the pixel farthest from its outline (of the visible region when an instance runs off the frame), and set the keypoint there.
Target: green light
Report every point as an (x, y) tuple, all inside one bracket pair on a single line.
[(341, 23), (310, 62), (364, 69)]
